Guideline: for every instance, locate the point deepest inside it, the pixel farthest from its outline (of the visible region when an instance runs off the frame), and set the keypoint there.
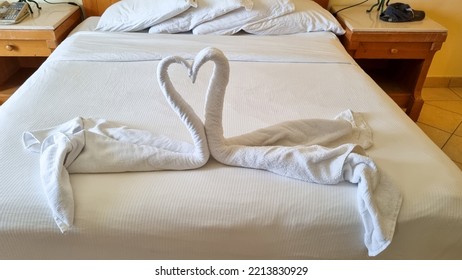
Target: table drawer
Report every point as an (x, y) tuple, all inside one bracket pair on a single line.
[(24, 48), (393, 50)]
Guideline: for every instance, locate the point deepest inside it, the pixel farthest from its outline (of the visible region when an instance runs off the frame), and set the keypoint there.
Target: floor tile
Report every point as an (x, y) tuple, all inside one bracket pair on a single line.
[(453, 148), (457, 91), (439, 137), (439, 118), (458, 131), (452, 106), (439, 94)]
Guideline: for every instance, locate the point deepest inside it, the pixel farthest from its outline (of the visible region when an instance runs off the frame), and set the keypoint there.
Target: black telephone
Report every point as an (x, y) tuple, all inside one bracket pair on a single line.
[(11, 13)]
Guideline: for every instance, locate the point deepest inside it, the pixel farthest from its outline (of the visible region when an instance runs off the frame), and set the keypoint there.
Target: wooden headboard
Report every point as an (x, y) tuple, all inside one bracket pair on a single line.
[(97, 7)]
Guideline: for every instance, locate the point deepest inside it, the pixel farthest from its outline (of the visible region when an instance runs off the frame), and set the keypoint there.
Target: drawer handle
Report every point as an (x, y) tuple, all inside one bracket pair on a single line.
[(9, 48), (394, 51)]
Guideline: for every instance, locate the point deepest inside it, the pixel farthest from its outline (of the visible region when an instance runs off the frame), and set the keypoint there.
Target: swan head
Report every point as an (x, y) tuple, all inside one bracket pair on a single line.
[(205, 55)]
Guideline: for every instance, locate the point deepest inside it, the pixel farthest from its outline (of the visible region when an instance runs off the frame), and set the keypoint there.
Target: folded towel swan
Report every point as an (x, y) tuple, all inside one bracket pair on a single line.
[(86, 145), (293, 149), (319, 151)]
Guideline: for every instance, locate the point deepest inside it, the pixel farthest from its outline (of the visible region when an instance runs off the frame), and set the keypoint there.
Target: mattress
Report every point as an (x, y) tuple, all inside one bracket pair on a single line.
[(217, 211)]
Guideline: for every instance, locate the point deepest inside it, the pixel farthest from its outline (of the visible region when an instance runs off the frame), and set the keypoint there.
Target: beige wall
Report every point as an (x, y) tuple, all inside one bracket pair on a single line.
[(448, 61)]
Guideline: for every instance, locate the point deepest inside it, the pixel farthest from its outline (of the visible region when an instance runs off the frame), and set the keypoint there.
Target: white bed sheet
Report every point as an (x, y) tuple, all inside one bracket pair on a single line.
[(217, 212)]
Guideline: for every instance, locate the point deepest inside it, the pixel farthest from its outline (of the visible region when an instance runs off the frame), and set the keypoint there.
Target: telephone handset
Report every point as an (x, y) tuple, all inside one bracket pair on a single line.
[(11, 13)]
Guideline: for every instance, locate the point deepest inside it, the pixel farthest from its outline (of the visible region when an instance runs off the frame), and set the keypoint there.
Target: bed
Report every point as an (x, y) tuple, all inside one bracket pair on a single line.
[(214, 210)]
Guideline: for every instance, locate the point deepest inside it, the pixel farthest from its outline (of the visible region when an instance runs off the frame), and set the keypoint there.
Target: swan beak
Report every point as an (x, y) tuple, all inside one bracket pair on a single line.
[(192, 75)]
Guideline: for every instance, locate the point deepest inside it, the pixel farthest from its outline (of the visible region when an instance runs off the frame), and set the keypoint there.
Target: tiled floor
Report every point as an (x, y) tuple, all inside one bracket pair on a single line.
[(441, 120)]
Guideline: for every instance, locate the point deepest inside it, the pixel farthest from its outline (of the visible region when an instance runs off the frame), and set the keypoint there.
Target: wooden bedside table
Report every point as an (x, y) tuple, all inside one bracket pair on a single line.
[(24, 46), (396, 55)]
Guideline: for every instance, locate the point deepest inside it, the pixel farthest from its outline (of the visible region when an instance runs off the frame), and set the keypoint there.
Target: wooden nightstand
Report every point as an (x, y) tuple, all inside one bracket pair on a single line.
[(24, 46), (396, 55)]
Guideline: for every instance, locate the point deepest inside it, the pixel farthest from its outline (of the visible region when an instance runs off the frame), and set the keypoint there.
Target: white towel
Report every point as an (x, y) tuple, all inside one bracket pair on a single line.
[(96, 145), (293, 149)]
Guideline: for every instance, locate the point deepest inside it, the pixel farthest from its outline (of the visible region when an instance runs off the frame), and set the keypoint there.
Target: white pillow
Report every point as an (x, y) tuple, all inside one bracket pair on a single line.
[(233, 22), (136, 15), (308, 16), (206, 10)]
